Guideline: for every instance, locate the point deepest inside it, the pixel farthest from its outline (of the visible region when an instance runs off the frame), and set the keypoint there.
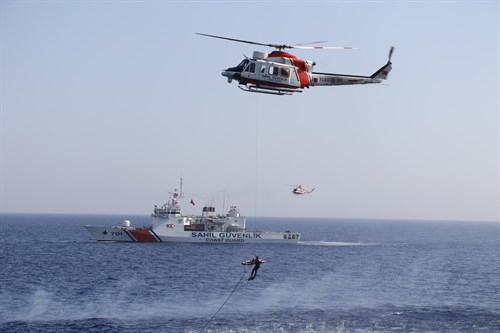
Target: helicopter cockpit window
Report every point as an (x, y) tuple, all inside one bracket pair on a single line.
[(243, 63), (263, 69), (250, 68)]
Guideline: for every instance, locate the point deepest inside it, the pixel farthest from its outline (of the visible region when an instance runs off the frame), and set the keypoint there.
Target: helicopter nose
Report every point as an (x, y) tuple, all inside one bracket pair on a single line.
[(230, 75)]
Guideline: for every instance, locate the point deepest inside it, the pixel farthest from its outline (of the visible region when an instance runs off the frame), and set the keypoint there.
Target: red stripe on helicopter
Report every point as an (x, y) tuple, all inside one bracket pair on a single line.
[(143, 235), (299, 63), (304, 79), (277, 54), (302, 71)]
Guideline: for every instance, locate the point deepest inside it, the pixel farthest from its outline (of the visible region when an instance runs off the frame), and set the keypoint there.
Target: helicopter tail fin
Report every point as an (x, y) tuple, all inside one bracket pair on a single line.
[(383, 72)]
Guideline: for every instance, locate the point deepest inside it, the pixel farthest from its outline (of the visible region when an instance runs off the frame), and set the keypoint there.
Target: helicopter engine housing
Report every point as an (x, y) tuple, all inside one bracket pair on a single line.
[(259, 55)]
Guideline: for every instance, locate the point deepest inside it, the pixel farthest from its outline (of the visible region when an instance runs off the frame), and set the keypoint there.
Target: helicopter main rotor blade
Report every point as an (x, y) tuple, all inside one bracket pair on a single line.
[(323, 47), (308, 46), (282, 46), (304, 44), (245, 41)]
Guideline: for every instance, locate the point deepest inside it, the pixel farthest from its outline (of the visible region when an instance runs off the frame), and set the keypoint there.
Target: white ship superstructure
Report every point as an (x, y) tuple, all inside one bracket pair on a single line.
[(168, 224)]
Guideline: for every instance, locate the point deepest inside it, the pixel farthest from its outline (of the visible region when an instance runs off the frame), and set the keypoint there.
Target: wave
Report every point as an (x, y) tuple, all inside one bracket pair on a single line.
[(326, 243), (384, 318)]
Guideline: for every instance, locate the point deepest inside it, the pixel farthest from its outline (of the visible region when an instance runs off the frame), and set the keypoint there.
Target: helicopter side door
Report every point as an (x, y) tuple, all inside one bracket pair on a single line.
[(279, 74), (275, 73), (255, 71)]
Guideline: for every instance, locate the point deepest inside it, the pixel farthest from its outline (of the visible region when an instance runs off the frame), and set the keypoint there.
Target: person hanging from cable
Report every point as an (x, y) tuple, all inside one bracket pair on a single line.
[(256, 262)]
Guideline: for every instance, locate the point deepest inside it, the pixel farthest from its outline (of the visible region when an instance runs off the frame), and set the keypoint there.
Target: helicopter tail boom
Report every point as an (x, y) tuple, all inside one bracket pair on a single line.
[(330, 79)]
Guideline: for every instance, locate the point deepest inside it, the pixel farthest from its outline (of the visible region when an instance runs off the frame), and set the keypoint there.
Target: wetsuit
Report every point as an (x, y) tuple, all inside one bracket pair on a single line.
[(256, 263)]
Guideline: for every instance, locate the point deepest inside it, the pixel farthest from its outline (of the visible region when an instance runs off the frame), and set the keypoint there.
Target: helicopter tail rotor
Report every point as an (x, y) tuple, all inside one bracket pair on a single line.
[(391, 51)]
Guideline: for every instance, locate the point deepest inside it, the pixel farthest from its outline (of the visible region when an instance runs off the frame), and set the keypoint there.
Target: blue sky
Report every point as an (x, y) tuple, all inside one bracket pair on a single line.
[(104, 105)]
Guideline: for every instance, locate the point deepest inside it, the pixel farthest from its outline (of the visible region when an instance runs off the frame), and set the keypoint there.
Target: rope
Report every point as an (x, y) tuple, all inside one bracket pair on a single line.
[(227, 299)]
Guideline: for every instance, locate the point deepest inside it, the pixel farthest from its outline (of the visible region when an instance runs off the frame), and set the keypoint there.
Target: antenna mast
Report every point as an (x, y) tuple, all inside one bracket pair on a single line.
[(181, 194)]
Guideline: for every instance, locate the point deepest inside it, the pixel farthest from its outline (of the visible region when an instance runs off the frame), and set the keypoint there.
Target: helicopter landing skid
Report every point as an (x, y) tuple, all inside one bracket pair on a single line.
[(268, 90)]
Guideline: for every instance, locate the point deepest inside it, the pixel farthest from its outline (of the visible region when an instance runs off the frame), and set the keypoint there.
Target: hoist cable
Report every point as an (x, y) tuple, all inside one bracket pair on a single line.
[(227, 299)]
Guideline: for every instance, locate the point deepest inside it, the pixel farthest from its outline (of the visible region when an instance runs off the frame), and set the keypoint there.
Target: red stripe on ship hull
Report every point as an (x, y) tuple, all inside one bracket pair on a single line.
[(143, 236)]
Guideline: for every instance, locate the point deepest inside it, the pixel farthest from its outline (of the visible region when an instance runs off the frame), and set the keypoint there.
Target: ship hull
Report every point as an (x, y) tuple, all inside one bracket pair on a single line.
[(119, 234), (167, 224)]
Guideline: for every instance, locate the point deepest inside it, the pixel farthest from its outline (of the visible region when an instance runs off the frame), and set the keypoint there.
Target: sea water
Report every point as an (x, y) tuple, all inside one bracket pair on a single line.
[(342, 276)]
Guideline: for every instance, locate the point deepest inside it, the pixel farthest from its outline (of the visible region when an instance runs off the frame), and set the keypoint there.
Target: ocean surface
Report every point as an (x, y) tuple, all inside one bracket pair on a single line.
[(343, 276)]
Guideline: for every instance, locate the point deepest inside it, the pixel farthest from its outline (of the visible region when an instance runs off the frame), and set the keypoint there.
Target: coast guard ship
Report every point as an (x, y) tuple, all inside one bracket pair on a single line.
[(169, 225)]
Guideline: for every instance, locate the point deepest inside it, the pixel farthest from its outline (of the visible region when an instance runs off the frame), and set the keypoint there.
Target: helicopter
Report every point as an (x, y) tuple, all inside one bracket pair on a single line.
[(299, 190), (282, 73)]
